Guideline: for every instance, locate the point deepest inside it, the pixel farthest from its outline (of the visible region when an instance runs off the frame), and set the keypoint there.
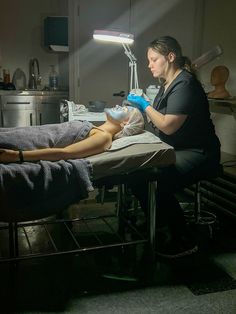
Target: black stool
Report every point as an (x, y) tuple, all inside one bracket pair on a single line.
[(198, 215)]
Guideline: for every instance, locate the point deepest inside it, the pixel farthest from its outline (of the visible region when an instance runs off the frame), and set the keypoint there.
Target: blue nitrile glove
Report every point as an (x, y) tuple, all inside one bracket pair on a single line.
[(140, 102)]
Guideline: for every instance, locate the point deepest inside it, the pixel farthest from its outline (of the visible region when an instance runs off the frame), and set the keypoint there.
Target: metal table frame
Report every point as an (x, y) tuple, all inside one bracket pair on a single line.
[(67, 225)]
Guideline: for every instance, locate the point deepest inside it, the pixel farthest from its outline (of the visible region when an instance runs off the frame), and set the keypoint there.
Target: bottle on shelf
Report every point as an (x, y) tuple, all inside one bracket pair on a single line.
[(53, 78), (8, 85), (6, 76)]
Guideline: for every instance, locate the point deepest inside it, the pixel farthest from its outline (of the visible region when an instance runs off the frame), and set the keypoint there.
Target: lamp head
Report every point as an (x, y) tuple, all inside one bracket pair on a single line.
[(113, 36), (125, 39)]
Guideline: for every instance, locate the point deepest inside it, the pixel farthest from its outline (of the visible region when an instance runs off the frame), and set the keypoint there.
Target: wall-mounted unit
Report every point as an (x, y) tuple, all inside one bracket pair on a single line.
[(56, 33)]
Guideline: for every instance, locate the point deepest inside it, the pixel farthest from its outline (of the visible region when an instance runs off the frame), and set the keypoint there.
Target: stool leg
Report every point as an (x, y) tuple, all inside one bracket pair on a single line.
[(120, 199), (102, 191), (197, 205), (13, 239), (121, 209), (152, 213), (202, 217)]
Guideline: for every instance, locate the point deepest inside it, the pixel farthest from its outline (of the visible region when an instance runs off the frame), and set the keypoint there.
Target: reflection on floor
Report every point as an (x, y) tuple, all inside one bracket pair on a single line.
[(50, 284)]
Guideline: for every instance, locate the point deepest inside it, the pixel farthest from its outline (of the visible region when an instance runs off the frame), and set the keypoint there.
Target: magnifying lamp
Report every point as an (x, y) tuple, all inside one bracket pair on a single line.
[(125, 39)]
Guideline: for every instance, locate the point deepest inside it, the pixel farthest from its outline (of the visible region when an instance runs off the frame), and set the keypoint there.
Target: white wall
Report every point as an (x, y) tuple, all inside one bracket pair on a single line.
[(103, 66), (154, 18), (21, 35), (103, 69), (219, 28)]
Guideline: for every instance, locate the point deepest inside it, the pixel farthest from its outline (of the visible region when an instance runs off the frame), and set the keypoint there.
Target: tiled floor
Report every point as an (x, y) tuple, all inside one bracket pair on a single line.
[(94, 226), (55, 280)]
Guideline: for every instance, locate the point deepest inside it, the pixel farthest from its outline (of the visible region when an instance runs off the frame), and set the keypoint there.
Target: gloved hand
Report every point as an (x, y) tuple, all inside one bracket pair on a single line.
[(139, 101)]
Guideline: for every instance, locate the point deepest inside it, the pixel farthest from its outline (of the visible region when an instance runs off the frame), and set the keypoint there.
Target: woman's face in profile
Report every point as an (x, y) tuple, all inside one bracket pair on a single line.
[(157, 63), (117, 113)]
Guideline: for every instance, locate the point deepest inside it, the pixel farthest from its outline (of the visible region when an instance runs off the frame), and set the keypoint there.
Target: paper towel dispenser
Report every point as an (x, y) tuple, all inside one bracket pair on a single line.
[(56, 33)]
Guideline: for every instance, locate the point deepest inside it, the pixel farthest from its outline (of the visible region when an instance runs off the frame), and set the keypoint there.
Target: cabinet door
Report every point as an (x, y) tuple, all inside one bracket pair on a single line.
[(48, 109), (18, 111)]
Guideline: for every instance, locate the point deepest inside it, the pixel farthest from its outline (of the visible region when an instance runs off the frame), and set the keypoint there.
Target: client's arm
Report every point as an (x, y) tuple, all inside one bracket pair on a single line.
[(97, 142)]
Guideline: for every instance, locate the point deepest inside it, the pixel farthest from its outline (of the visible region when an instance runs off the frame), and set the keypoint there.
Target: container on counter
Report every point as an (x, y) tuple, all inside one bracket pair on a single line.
[(53, 78)]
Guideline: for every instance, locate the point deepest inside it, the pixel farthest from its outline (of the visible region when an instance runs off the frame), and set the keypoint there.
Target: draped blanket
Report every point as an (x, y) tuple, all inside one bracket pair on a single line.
[(31, 191), (47, 135), (34, 190)]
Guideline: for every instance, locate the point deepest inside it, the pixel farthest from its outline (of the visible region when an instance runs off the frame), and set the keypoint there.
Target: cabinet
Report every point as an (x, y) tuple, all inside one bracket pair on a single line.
[(48, 109), (17, 110)]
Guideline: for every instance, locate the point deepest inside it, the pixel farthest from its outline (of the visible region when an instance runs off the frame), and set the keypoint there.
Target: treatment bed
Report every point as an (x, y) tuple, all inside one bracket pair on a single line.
[(33, 195)]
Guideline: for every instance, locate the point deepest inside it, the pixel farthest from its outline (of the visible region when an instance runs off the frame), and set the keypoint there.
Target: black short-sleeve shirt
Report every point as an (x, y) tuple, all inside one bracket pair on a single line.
[(186, 96)]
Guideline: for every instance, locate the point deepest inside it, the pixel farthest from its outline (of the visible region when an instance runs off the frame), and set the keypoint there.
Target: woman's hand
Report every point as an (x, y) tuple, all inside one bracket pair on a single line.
[(139, 101), (8, 155)]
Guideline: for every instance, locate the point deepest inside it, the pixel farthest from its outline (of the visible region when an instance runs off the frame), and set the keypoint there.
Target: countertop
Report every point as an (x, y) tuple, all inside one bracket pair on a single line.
[(33, 93)]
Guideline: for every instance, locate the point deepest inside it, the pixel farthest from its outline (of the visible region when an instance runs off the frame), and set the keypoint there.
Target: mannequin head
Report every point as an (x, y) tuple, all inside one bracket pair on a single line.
[(219, 77)]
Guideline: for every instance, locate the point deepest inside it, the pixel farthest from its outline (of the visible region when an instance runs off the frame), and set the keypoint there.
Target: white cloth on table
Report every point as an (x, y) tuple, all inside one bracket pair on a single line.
[(143, 138)]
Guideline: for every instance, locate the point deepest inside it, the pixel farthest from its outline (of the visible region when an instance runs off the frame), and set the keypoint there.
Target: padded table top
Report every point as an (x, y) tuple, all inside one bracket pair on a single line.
[(131, 158), (36, 190)]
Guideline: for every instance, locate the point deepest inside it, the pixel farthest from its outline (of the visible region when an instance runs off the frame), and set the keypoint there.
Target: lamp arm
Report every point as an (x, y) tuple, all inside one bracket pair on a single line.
[(136, 84), (133, 67), (129, 53)]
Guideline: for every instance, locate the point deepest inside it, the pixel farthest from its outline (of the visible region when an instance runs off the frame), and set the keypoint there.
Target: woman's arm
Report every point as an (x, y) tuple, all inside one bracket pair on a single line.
[(97, 142), (168, 123)]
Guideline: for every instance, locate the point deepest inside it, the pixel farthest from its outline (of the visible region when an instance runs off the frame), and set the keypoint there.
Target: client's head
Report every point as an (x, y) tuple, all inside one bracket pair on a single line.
[(130, 119)]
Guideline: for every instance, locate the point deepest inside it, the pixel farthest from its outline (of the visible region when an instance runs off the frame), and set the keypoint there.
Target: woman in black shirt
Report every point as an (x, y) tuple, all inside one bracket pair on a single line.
[(180, 117)]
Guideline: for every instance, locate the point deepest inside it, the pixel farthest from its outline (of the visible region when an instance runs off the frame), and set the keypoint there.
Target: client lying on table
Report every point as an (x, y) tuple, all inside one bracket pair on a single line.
[(68, 140)]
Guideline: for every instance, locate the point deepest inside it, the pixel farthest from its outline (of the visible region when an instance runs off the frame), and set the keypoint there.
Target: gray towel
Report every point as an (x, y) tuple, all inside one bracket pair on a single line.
[(48, 135), (34, 190), (30, 191)]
